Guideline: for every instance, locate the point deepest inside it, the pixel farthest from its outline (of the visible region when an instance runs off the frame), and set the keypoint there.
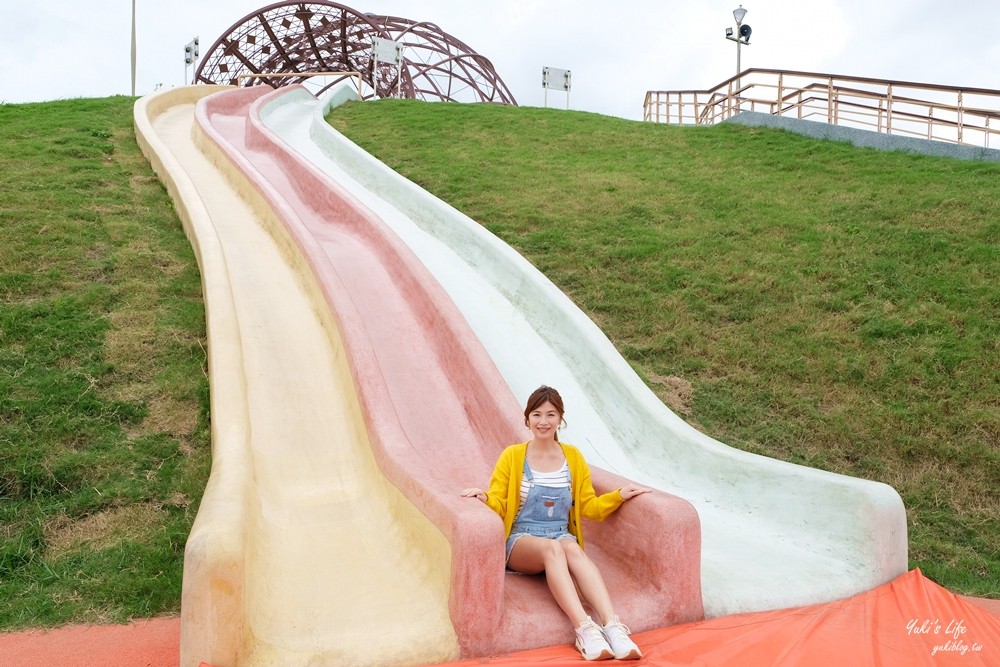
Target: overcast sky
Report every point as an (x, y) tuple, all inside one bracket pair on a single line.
[(57, 49)]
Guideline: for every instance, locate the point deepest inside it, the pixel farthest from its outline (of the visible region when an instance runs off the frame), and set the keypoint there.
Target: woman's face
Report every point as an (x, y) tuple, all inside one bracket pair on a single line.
[(543, 421)]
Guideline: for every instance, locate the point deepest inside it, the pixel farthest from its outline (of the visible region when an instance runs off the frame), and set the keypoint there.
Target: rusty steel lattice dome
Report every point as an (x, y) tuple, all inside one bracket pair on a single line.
[(292, 38)]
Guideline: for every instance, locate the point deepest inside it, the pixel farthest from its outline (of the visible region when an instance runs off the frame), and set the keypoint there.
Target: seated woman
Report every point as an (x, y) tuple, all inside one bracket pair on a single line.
[(541, 489)]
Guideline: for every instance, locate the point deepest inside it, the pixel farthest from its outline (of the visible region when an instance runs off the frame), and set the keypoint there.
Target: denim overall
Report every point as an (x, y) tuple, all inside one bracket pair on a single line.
[(544, 512)]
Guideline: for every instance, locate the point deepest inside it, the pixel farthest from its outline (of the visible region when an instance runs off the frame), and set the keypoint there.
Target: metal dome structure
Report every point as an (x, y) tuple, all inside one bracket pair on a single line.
[(288, 42)]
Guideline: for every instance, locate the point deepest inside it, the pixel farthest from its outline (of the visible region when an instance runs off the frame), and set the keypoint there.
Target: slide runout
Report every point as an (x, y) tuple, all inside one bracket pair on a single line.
[(437, 372), (296, 477), (775, 534)]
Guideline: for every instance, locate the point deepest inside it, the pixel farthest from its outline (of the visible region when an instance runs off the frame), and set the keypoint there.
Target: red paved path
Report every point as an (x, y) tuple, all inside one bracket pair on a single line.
[(150, 643)]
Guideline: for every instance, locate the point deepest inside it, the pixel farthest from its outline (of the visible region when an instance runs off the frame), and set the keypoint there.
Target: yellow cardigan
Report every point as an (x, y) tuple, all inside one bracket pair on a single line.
[(504, 495)]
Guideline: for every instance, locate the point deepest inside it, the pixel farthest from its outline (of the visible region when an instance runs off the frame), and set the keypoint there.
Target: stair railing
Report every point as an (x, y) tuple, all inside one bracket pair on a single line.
[(962, 115)]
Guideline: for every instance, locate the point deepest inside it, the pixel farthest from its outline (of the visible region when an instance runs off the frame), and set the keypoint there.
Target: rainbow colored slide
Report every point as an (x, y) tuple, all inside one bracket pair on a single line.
[(369, 349)]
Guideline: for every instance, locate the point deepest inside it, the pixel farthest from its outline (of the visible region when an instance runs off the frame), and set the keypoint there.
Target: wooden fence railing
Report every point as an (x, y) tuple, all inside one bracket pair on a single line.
[(969, 116)]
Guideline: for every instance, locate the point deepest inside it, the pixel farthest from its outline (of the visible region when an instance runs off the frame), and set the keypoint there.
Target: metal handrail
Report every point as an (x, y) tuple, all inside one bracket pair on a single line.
[(962, 115)]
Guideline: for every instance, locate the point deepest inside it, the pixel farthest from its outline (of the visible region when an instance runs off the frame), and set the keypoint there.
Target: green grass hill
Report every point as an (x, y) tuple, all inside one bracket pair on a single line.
[(104, 445)]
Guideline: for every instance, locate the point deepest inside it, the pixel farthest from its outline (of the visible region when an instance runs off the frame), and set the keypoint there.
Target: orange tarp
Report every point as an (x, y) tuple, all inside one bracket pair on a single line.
[(909, 622)]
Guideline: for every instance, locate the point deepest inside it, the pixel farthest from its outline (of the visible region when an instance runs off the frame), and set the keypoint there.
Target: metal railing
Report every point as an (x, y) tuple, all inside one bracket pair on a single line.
[(969, 116)]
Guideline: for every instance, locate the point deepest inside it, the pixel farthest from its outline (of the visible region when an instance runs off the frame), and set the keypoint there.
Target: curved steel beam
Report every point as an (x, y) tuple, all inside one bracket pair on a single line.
[(303, 37)]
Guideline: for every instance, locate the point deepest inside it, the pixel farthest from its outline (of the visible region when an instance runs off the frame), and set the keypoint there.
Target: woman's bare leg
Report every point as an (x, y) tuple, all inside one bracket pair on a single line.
[(533, 555), (588, 578)]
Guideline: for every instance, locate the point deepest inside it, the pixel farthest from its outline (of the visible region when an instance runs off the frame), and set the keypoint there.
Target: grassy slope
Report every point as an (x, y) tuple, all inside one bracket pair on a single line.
[(806, 300), (103, 394)]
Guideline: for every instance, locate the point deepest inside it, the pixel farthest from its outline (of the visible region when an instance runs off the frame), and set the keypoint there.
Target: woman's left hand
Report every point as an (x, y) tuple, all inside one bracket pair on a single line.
[(630, 491), (474, 493)]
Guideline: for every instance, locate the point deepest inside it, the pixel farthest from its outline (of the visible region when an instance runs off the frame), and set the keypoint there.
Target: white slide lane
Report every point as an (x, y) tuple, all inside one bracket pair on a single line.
[(774, 534)]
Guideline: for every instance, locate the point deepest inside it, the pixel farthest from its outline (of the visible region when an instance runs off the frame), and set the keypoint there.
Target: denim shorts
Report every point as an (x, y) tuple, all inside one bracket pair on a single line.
[(557, 532)]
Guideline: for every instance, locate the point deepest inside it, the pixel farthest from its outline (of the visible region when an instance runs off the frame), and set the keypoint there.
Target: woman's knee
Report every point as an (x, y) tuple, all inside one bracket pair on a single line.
[(573, 552), (553, 554)]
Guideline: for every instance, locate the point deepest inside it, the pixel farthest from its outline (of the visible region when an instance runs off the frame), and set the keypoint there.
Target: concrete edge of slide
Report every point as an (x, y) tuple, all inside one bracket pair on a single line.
[(212, 589)]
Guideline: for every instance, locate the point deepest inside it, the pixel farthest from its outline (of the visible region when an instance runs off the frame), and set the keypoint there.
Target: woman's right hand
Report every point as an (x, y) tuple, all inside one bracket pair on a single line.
[(474, 493)]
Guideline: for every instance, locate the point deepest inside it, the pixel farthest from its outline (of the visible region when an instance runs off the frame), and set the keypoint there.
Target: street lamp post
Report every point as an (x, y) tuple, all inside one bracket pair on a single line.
[(133, 48), (741, 37)]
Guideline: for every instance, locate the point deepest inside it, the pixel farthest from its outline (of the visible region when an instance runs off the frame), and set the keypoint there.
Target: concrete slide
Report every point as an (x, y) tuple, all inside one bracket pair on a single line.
[(774, 534), (261, 584), (350, 403)]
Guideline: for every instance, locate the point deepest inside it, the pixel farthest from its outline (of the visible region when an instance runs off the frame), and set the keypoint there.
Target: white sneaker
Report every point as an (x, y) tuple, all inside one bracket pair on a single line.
[(617, 635), (591, 643)]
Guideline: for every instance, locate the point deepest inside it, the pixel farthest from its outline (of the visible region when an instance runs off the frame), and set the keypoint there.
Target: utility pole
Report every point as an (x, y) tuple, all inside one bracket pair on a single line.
[(133, 48)]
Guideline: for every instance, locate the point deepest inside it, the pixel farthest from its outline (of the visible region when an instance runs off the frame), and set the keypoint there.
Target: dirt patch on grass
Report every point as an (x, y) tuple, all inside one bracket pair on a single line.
[(675, 392), (168, 415), (132, 344), (101, 530)]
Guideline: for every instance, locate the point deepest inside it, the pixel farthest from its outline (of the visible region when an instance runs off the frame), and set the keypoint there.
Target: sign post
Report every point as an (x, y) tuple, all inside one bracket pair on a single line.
[(557, 79), (387, 50), (190, 57)]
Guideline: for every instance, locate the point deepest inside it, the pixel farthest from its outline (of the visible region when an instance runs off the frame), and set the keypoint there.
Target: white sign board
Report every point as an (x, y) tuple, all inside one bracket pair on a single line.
[(556, 79), (387, 51)]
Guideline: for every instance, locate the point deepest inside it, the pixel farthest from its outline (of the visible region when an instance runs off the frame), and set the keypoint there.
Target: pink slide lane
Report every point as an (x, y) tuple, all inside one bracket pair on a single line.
[(437, 410)]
